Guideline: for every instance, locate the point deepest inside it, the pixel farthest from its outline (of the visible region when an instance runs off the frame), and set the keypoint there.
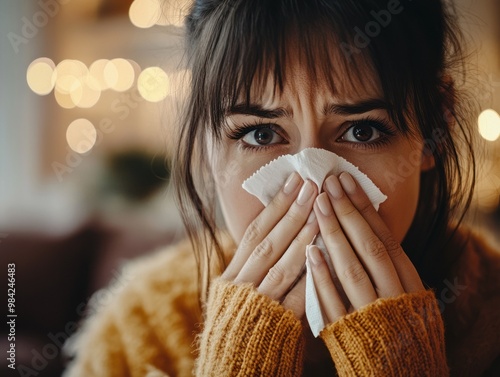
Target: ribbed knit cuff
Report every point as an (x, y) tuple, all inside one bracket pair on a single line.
[(402, 336), (248, 334)]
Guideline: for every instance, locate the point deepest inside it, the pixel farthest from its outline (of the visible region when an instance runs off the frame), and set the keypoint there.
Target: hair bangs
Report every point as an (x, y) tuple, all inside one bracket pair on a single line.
[(246, 53)]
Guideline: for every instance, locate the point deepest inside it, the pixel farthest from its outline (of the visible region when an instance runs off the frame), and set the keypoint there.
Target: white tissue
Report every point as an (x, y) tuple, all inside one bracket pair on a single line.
[(313, 164)]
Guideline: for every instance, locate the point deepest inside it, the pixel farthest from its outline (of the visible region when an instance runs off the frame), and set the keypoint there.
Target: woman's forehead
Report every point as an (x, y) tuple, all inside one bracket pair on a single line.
[(298, 82)]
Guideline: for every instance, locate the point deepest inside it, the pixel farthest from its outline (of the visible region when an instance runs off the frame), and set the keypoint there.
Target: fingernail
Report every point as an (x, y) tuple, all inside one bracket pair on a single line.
[(324, 204), (314, 254), (311, 218), (333, 187), (347, 182), (305, 193), (292, 183)]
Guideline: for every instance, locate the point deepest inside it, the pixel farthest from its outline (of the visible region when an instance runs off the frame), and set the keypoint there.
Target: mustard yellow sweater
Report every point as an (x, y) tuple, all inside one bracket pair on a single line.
[(152, 326)]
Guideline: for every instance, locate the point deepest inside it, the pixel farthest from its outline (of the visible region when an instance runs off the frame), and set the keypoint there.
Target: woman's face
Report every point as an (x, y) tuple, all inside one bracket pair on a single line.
[(353, 124)]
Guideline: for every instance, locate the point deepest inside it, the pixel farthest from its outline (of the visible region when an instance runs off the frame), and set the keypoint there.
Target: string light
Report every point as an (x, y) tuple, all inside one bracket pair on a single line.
[(137, 69), (81, 135), (76, 85), (489, 125), (145, 13), (97, 72), (119, 74), (70, 83), (88, 92), (153, 84), (64, 99), (40, 76)]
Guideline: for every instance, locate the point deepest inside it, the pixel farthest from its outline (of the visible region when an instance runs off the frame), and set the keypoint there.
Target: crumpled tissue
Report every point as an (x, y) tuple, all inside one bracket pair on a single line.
[(314, 164)]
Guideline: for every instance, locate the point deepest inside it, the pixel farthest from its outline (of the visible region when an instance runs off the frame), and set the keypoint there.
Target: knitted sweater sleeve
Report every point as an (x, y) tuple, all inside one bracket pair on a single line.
[(248, 334), (401, 336)]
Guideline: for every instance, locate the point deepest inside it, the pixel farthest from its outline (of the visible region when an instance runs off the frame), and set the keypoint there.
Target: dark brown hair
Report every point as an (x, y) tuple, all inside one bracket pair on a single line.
[(234, 46)]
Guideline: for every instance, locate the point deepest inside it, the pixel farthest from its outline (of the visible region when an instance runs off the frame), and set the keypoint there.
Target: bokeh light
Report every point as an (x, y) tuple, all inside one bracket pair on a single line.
[(71, 84), (489, 125), (145, 13), (40, 76), (153, 84), (81, 135), (137, 69), (67, 71), (88, 92), (64, 99), (119, 74), (67, 83), (97, 72), (110, 74)]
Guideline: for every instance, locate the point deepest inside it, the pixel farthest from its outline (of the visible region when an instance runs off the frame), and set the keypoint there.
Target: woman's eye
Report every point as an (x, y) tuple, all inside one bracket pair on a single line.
[(362, 133), (262, 136)]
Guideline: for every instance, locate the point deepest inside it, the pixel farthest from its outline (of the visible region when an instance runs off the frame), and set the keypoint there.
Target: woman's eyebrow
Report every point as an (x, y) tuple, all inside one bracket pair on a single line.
[(355, 108), (259, 111), (333, 108)]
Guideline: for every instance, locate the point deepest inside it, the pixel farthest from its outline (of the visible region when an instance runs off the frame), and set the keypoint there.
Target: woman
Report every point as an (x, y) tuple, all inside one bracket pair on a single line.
[(372, 82)]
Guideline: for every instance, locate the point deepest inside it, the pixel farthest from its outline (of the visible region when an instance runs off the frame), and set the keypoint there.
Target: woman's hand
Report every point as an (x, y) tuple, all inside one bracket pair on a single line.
[(271, 253), (368, 261)]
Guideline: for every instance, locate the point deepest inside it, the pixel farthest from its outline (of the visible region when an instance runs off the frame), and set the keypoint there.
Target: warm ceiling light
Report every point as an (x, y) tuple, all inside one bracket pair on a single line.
[(145, 13), (81, 135), (40, 76), (489, 125), (153, 84)]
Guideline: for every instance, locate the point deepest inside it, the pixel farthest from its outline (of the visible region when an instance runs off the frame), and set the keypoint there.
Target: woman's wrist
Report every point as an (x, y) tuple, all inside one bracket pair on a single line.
[(246, 331)]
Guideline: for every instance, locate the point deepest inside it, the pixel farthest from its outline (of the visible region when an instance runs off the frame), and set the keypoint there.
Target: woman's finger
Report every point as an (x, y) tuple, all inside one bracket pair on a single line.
[(272, 247), (408, 275), (260, 227), (351, 273), (328, 296), (369, 248), (285, 272)]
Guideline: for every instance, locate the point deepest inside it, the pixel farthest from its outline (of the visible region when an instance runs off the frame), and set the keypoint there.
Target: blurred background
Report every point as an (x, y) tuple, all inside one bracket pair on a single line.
[(89, 93)]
